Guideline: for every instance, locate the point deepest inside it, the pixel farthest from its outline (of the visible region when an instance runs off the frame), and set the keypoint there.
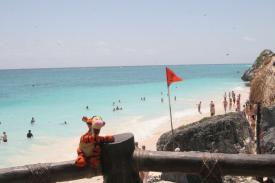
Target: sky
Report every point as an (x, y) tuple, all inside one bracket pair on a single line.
[(87, 33)]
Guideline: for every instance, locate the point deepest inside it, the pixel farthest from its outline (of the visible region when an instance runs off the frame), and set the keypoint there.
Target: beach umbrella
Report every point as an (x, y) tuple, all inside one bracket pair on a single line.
[(263, 85), (171, 77)]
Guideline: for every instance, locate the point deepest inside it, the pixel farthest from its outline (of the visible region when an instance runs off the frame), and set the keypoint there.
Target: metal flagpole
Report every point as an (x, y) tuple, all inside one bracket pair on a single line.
[(171, 120)]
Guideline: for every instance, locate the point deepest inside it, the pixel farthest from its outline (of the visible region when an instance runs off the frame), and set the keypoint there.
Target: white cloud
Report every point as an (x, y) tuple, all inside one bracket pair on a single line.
[(130, 50), (151, 52), (248, 39), (102, 44)]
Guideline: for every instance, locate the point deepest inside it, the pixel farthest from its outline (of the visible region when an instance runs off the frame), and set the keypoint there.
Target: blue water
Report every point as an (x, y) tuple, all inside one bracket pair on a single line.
[(53, 96)]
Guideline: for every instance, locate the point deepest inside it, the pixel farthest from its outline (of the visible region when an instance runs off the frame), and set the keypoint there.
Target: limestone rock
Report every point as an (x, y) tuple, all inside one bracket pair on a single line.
[(263, 84), (268, 129), (222, 133), (250, 73)]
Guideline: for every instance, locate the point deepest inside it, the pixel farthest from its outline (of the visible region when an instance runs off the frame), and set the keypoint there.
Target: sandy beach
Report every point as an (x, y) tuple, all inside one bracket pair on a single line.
[(151, 141)]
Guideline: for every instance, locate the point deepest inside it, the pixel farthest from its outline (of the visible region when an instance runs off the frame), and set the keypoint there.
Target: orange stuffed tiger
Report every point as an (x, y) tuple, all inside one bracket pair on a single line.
[(89, 149)]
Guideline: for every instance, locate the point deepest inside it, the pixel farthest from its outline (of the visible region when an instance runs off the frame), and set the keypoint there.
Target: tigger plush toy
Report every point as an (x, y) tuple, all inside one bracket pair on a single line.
[(89, 149)]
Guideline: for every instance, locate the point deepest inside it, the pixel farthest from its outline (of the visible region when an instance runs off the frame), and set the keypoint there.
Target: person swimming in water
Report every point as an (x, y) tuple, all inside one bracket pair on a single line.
[(32, 120), (29, 134)]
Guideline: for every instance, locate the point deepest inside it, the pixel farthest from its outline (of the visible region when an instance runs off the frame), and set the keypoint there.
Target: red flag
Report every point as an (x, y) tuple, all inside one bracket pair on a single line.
[(171, 76)]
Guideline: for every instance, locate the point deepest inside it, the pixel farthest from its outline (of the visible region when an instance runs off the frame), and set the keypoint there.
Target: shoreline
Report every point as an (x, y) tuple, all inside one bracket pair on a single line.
[(150, 143)]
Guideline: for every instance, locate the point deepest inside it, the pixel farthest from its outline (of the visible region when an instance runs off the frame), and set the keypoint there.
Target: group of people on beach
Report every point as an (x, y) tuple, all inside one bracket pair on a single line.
[(117, 108), (162, 99), (249, 109), (234, 100)]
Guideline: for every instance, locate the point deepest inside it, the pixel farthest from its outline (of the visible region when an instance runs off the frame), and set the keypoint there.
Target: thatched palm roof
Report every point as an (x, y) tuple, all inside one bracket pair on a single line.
[(263, 85)]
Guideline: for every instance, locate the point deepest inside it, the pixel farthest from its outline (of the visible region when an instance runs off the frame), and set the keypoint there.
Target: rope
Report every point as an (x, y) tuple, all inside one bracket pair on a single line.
[(211, 171), (39, 173)]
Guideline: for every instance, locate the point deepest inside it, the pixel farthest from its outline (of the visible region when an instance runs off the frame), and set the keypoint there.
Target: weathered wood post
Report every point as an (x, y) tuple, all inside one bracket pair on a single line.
[(117, 160), (258, 134), (258, 129)]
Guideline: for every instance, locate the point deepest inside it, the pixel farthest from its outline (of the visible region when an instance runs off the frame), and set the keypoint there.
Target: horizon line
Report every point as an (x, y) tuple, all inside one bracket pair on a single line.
[(79, 67)]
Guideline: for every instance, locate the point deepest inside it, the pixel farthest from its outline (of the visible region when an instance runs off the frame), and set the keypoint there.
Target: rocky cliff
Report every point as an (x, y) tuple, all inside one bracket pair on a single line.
[(264, 56), (263, 84)]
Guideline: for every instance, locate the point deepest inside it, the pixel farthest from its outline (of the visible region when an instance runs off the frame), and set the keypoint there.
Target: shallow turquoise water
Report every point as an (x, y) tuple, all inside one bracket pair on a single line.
[(53, 96)]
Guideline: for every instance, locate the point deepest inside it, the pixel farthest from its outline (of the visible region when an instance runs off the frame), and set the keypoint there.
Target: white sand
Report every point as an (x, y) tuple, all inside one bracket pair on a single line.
[(151, 141)]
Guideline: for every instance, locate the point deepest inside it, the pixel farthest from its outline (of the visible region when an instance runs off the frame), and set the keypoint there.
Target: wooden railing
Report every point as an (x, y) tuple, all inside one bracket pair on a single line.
[(121, 163)]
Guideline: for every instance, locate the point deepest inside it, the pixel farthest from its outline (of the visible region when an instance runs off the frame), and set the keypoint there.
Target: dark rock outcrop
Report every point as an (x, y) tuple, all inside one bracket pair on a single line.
[(250, 73), (268, 129), (224, 134)]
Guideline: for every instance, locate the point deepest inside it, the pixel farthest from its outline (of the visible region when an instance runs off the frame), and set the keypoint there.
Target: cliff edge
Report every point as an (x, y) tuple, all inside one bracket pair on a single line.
[(264, 56)]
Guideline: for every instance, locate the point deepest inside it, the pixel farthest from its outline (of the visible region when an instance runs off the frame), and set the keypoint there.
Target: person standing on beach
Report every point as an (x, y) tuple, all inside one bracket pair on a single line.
[(4, 137), (225, 105), (238, 103), (199, 107), (212, 108), (230, 103), (233, 97), (239, 98)]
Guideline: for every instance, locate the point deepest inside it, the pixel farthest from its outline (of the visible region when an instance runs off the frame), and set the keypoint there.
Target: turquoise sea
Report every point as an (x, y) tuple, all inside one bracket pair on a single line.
[(53, 96)]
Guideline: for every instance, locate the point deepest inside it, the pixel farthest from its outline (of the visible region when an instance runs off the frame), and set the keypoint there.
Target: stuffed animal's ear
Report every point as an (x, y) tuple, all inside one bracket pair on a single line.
[(85, 119)]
